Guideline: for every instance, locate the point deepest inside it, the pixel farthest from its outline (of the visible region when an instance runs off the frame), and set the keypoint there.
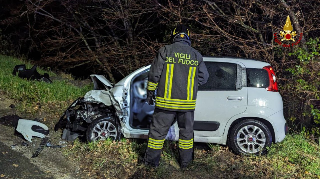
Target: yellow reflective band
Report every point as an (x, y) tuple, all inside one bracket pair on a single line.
[(152, 86), (156, 141), (171, 77), (174, 107), (192, 82), (188, 89), (155, 144), (168, 86), (174, 31), (154, 147), (176, 100), (185, 147), (177, 103), (181, 140), (186, 144), (190, 86)]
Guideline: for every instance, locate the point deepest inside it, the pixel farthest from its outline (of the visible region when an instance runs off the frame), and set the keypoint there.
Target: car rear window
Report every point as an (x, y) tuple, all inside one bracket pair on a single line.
[(258, 78)]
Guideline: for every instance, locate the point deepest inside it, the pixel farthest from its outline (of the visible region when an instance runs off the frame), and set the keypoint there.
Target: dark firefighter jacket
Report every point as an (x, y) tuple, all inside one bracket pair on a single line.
[(176, 73)]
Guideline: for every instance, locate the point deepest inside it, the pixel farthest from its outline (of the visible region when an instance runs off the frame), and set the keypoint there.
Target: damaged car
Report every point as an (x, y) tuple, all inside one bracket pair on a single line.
[(240, 106)]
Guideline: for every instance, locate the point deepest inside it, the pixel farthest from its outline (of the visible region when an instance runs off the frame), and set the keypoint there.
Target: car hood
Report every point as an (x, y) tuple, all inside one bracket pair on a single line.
[(96, 78), (126, 81)]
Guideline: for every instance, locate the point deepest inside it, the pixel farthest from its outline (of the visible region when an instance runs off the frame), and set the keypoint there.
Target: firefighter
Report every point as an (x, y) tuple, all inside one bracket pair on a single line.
[(175, 73)]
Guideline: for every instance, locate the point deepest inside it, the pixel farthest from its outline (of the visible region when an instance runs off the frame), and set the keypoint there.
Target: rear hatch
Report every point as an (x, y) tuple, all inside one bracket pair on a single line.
[(263, 88)]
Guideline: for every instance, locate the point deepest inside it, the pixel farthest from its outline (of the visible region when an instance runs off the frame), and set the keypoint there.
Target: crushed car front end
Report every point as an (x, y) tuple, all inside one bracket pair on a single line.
[(96, 104)]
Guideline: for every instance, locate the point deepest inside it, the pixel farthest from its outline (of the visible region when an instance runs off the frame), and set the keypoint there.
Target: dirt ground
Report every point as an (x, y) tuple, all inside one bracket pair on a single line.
[(16, 152)]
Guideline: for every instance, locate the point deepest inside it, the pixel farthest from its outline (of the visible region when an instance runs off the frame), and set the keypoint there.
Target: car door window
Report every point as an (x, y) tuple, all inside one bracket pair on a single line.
[(222, 77)]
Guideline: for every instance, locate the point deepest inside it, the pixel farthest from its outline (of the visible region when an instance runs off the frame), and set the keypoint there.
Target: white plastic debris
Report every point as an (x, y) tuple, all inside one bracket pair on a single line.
[(29, 128)]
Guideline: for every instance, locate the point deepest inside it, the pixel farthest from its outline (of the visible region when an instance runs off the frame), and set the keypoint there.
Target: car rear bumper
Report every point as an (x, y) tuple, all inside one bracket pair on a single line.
[(279, 125)]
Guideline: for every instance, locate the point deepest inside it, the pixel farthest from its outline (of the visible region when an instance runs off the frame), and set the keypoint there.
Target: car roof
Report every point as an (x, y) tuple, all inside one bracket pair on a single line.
[(248, 63)]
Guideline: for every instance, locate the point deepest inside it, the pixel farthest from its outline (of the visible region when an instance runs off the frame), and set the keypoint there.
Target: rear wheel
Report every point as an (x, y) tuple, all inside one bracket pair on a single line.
[(250, 137), (102, 129)]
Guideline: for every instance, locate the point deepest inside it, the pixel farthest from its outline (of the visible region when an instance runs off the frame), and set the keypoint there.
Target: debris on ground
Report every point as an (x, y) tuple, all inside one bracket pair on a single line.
[(41, 147), (48, 144), (30, 74), (45, 143), (10, 120), (29, 128)]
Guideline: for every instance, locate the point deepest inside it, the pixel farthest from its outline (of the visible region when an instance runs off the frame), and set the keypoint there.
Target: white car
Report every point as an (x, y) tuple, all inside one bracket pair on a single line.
[(239, 106)]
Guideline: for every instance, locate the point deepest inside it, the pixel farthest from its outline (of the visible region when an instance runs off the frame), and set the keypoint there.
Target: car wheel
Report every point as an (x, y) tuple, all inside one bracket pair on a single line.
[(250, 137), (102, 129)]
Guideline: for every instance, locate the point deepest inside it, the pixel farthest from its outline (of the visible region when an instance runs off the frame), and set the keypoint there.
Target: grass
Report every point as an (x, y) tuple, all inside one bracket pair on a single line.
[(35, 96), (295, 157)]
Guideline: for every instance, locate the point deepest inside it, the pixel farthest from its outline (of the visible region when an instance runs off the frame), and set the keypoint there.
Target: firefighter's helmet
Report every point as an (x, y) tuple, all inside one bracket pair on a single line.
[(181, 31)]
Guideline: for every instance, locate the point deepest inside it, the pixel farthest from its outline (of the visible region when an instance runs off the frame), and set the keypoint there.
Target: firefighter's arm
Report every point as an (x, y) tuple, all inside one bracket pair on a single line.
[(203, 74), (155, 74)]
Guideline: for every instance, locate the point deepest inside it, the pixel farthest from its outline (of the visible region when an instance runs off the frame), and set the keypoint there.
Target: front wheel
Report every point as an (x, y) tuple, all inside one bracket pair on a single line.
[(102, 129), (250, 137)]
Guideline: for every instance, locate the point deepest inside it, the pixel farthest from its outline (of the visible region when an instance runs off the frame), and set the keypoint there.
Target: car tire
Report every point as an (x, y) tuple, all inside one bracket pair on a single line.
[(103, 128), (250, 137)]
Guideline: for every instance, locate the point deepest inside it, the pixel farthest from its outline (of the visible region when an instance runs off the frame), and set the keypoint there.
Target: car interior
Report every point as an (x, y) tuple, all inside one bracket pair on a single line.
[(141, 112)]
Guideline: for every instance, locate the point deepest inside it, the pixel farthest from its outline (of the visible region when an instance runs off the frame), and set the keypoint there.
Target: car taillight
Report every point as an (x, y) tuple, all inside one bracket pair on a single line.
[(273, 86)]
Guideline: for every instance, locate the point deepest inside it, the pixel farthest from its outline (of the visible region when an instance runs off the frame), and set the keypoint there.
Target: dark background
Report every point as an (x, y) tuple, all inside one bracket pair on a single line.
[(116, 37)]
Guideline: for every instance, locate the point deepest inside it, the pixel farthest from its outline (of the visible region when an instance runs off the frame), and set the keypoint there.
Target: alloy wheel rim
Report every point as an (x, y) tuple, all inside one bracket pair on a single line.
[(104, 130), (251, 139)]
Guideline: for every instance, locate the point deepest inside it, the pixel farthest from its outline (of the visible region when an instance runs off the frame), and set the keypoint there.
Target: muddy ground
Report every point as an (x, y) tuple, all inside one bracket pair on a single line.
[(16, 152)]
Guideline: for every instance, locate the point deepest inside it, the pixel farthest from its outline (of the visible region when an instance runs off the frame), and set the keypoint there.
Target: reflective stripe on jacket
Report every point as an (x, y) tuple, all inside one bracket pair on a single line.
[(176, 73)]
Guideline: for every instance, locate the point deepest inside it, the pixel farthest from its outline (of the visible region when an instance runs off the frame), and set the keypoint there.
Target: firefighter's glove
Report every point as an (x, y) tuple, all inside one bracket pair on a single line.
[(150, 97)]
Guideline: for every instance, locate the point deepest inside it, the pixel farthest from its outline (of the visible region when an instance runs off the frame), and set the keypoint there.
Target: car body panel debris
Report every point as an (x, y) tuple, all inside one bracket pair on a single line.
[(29, 128)]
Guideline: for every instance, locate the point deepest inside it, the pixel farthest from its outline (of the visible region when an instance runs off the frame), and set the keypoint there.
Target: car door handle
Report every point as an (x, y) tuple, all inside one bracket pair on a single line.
[(239, 98)]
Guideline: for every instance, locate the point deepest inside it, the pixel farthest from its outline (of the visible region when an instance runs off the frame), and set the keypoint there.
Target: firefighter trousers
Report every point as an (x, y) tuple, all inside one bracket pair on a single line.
[(161, 122)]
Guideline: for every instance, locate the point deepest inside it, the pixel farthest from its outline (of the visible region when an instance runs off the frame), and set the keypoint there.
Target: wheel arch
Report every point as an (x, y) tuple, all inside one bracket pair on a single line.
[(267, 123)]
